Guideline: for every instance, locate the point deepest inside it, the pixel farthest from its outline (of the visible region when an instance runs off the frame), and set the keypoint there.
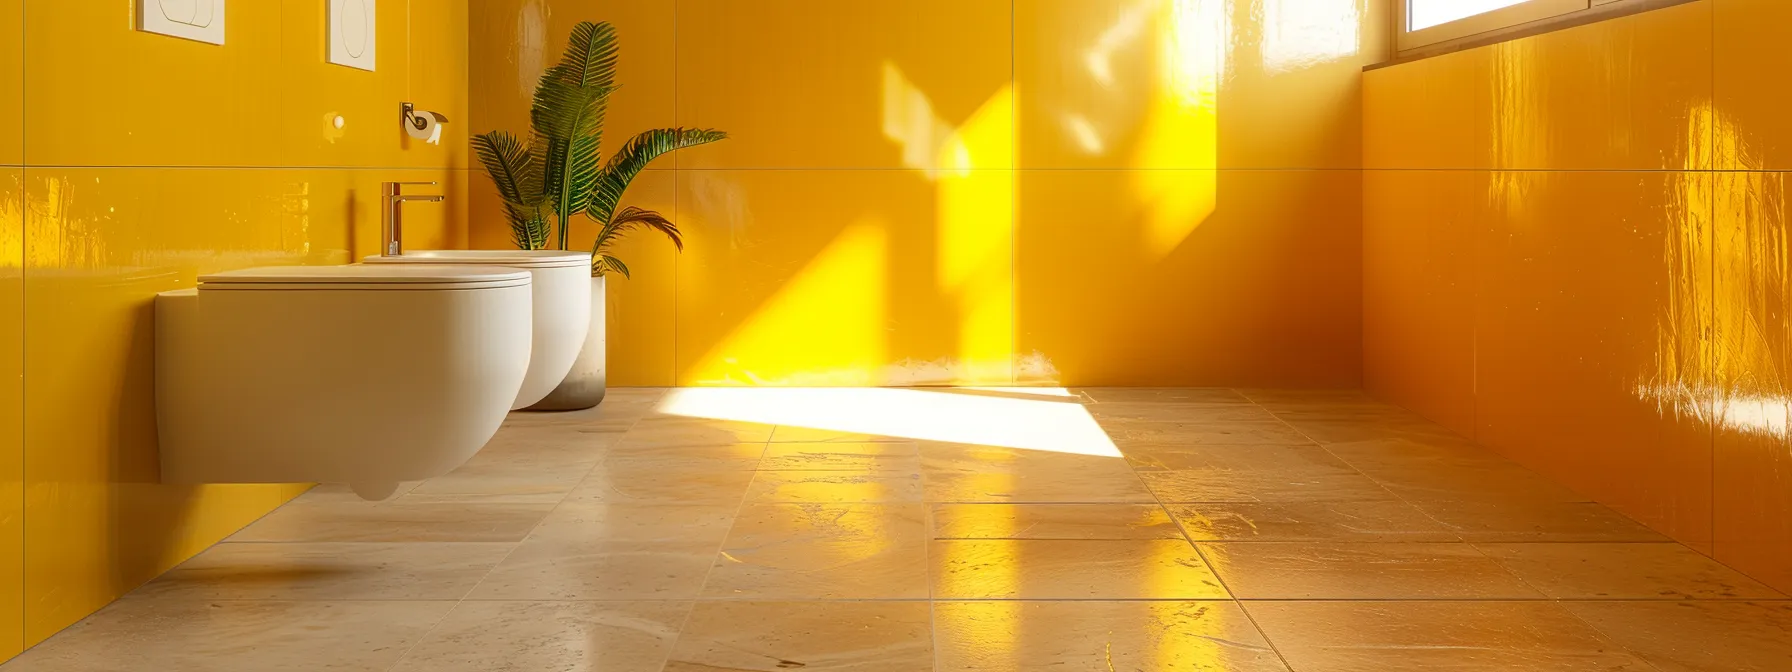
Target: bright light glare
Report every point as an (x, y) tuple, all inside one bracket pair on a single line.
[(1423, 14), (924, 415), (1303, 33)]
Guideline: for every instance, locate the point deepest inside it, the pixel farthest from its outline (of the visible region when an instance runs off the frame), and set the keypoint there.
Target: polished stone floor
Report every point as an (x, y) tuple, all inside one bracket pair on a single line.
[(968, 529)]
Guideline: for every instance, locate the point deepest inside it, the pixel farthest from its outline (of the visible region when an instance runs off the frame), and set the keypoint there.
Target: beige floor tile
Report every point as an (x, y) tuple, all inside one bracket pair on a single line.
[(589, 551), (775, 636), (551, 441), (534, 636), (673, 458), (1014, 636), (823, 552), (1697, 636), (1385, 521), (396, 521), (795, 434), (1053, 521), (1204, 395), (1437, 637), (1241, 433), (329, 571), (1176, 411), (1658, 571), (1512, 521), (1185, 457), (839, 487), (1365, 571), (1154, 569), (1029, 486), (842, 456), (507, 477), (723, 484), (1505, 483), (1376, 454), (1326, 430), (133, 635), (666, 432), (1006, 475), (1311, 484)]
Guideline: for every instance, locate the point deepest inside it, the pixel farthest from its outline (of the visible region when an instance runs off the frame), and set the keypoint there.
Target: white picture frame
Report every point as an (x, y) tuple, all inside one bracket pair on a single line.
[(197, 20), (353, 32)]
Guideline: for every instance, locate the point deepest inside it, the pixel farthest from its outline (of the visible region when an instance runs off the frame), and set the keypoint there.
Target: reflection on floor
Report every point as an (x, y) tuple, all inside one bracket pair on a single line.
[(1197, 530)]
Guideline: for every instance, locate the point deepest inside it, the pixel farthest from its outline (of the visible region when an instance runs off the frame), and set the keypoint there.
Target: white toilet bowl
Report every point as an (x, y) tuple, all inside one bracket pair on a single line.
[(366, 375), (562, 287)]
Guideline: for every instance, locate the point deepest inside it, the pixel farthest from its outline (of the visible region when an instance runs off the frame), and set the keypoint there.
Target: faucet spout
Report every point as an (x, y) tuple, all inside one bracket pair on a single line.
[(392, 214)]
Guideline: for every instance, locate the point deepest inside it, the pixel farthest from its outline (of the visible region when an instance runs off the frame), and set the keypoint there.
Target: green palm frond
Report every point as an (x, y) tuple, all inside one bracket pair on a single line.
[(633, 217), (510, 165), (603, 263), (568, 130), (568, 118), (528, 229), (590, 58), (560, 173), (634, 157)]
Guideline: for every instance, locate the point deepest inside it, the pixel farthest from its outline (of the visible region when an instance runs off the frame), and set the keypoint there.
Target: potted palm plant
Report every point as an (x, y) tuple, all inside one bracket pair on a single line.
[(558, 175)]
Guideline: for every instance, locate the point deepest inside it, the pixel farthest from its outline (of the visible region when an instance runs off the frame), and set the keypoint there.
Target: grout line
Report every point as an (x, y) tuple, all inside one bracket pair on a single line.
[(717, 555), (1202, 553)]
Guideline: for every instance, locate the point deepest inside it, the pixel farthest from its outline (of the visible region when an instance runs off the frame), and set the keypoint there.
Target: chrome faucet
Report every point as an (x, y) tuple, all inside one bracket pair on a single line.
[(392, 215)]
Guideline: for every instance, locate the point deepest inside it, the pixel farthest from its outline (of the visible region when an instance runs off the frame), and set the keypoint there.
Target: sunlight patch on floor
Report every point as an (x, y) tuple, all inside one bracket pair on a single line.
[(1025, 418)]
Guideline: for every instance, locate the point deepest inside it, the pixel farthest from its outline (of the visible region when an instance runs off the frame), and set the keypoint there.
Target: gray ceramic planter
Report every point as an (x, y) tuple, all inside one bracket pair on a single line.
[(584, 385)]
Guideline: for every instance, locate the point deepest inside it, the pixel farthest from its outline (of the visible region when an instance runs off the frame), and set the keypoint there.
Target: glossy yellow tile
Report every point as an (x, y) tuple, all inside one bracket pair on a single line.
[(832, 278), (1419, 231), (844, 85), (12, 82), (1588, 377), (1748, 38), (316, 92), (510, 43), (1426, 114), (436, 72), (1752, 334), (1161, 257), (162, 101), (1628, 94), (1114, 84), (12, 411)]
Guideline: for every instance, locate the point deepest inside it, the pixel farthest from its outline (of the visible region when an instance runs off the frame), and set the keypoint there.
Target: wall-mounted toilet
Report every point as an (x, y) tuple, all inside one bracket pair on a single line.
[(366, 375), (562, 300)]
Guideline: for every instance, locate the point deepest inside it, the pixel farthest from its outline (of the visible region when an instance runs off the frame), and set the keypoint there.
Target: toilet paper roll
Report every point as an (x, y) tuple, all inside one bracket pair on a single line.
[(425, 126)]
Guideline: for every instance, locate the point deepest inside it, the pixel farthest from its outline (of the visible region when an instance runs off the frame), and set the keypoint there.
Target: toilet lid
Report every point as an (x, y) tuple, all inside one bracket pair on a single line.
[(365, 277), (511, 258)]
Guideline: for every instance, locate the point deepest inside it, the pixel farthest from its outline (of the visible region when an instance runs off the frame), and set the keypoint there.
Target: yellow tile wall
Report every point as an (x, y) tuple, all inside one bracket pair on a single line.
[(1142, 192), (130, 163), (1575, 251)]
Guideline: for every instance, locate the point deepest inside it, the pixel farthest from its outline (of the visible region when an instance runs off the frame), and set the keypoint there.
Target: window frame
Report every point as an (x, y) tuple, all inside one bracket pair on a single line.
[(1512, 19)]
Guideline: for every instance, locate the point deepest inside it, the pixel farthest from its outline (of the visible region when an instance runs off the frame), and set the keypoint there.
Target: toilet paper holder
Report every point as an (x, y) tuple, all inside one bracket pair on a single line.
[(422, 124)]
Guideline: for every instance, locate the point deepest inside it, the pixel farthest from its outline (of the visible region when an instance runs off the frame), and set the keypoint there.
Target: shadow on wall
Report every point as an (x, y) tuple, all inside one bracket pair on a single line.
[(1062, 208)]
